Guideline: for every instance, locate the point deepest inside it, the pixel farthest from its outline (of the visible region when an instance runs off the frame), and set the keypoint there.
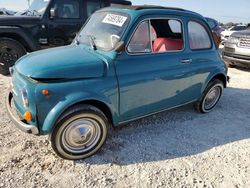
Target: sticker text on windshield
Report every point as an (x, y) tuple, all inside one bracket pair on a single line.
[(115, 19)]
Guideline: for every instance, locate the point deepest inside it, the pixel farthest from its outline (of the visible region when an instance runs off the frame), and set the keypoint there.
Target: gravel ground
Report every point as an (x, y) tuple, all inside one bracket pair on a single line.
[(178, 148)]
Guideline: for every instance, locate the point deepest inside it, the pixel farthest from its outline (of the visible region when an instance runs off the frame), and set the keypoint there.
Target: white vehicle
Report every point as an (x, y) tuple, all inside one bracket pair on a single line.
[(228, 32)]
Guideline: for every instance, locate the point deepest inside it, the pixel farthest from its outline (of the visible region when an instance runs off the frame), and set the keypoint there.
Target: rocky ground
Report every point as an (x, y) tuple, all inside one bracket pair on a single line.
[(178, 148)]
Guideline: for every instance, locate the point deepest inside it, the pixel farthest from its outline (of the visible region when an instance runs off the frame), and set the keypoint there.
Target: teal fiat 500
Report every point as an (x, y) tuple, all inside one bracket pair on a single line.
[(126, 63)]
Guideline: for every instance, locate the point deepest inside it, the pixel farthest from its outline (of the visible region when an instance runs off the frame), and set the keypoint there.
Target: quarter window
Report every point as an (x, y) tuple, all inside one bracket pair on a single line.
[(140, 42), (198, 36)]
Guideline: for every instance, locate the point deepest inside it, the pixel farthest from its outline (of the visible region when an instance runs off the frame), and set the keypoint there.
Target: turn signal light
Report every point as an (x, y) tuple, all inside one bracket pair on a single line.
[(27, 116), (45, 92)]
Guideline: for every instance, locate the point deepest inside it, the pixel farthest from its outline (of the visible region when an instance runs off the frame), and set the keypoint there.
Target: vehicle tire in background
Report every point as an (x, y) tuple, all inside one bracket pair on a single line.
[(10, 51), (231, 65), (79, 133), (210, 97)]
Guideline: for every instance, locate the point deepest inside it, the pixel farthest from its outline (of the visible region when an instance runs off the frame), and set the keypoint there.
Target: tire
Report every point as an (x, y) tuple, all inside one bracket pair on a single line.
[(79, 133), (210, 97), (231, 65), (10, 51)]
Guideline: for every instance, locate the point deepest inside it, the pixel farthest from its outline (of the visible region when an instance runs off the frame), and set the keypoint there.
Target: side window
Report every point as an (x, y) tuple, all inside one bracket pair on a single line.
[(140, 42), (92, 6), (198, 36), (166, 35), (175, 26), (68, 9)]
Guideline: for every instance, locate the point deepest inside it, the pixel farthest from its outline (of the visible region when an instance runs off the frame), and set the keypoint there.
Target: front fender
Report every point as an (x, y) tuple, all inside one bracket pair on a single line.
[(69, 101), (10, 31)]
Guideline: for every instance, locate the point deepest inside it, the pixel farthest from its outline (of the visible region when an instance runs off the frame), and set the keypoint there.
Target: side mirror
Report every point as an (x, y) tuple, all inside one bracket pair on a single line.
[(120, 47), (52, 13)]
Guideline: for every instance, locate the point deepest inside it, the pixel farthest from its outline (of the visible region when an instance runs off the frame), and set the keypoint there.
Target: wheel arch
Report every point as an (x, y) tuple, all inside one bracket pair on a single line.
[(19, 35), (96, 103), (17, 38), (61, 108), (218, 75)]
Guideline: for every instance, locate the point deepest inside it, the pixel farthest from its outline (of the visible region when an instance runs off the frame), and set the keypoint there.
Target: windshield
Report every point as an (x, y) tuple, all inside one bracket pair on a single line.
[(39, 5), (104, 30), (36, 8), (248, 27)]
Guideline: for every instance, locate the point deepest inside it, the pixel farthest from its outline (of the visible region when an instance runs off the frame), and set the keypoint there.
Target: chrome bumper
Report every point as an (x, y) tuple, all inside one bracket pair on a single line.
[(19, 124), (236, 60)]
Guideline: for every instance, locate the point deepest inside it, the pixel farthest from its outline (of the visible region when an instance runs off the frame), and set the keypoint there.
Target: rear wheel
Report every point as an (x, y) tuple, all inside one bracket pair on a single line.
[(210, 97), (10, 51), (80, 133)]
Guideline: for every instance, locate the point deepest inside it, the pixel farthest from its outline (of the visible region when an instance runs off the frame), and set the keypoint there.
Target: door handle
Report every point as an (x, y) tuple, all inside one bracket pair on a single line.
[(186, 61)]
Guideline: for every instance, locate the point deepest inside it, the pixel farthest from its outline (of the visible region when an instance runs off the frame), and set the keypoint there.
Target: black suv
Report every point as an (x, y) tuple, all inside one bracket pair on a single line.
[(47, 23)]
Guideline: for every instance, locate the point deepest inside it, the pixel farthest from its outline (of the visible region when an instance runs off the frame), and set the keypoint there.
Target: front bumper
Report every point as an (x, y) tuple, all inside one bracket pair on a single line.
[(236, 59), (233, 54), (19, 123)]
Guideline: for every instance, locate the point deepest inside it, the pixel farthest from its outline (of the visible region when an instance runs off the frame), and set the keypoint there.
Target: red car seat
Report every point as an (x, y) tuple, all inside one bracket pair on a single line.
[(167, 44)]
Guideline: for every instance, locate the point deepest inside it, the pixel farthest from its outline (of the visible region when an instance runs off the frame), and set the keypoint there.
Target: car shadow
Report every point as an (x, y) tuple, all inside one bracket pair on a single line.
[(178, 133)]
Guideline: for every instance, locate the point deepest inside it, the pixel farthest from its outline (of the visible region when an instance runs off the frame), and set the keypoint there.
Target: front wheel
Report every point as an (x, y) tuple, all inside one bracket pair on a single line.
[(80, 133), (210, 97), (10, 51)]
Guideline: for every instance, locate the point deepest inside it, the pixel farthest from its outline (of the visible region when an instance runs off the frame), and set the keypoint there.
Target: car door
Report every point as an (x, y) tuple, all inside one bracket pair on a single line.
[(202, 53), (150, 77), (66, 21)]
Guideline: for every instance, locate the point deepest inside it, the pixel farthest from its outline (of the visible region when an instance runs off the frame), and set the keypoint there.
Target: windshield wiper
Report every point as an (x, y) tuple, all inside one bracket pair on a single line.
[(78, 39), (92, 42)]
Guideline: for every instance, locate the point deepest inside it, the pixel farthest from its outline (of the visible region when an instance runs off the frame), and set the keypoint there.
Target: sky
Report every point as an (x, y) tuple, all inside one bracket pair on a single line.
[(222, 10)]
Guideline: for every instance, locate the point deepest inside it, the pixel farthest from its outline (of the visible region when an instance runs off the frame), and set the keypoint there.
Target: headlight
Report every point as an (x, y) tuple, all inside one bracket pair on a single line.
[(25, 97), (233, 40)]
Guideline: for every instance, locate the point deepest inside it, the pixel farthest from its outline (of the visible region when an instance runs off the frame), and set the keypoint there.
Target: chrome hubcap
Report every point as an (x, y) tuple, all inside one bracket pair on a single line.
[(81, 135), (212, 97)]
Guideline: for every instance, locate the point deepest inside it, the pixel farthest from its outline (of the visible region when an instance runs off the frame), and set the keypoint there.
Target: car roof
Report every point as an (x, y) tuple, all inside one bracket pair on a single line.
[(140, 10), (143, 7)]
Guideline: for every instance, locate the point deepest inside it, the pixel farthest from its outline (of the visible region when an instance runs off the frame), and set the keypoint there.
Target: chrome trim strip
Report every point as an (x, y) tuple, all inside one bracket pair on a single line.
[(227, 58)]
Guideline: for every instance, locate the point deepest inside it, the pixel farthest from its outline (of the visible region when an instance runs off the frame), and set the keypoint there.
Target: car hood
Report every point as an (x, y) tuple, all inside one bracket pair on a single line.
[(68, 62), (241, 34), (227, 33), (17, 20)]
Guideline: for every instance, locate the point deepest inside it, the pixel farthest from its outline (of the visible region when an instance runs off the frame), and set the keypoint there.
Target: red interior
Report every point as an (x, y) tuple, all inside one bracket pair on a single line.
[(167, 44)]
